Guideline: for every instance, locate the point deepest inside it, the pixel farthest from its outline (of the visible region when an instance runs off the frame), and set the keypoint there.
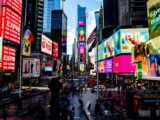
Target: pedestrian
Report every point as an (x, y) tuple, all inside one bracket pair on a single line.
[(5, 110), (72, 112), (64, 113)]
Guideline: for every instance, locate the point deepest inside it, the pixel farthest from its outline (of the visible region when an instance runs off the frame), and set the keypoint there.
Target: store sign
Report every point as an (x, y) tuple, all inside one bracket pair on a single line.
[(153, 7), (108, 65), (122, 64), (46, 45), (101, 67), (8, 58), (55, 49), (1, 43), (10, 25), (31, 67), (81, 50), (108, 48)]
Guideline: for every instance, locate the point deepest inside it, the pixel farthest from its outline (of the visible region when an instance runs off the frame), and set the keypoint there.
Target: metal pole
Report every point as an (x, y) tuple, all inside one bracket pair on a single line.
[(21, 48), (97, 67)]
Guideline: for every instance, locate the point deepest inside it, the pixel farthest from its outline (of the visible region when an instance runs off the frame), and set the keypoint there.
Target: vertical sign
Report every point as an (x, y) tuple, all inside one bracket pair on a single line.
[(1, 42)]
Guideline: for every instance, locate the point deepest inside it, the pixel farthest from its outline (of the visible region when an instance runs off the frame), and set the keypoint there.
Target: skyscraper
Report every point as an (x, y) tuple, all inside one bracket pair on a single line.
[(81, 37), (49, 5)]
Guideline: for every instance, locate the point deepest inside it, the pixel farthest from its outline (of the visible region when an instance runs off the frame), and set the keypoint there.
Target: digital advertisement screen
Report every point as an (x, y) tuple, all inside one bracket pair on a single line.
[(82, 67), (100, 51), (108, 48), (31, 67), (101, 67), (1, 43), (81, 50), (81, 43), (108, 65), (81, 23), (48, 69), (55, 49), (64, 36), (120, 62), (8, 58), (14, 4), (82, 58), (125, 39), (153, 7), (10, 25), (46, 45), (81, 35)]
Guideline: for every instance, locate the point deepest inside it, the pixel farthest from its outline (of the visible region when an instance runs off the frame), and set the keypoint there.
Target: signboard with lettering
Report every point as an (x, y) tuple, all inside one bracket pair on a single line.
[(14, 4), (10, 25), (8, 58), (46, 45)]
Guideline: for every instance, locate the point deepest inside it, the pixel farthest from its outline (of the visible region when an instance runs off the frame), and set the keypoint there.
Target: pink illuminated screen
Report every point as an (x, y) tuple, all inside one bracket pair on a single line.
[(81, 50), (122, 64)]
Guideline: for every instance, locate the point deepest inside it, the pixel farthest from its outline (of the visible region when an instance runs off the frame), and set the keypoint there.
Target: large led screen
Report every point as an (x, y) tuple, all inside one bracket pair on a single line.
[(14, 4), (10, 25), (100, 51), (81, 34), (108, 65), (46, 45), (122, 64), (55, 49), (81, 50), (101, 67), (153, 7), (125, 39), (108, 48), (8, 58), (1, 43)]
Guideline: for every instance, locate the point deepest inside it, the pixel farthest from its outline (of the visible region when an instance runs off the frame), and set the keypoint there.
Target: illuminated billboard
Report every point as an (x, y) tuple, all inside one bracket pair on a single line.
[(101, 67), (55, 49), (153, 8), (14, 4), (100, 51), (31, 67), (108, 65), (81, 50), (82, 58), (8, 58), (82, 67), (81, 23), (10, 25), (82, 34), (122, 64), (46, 45), (125, 39), (1, 43), (108, 48)]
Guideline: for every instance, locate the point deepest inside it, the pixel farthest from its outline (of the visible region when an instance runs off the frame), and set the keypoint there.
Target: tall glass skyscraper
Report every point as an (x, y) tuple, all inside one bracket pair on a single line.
[(49, 5)]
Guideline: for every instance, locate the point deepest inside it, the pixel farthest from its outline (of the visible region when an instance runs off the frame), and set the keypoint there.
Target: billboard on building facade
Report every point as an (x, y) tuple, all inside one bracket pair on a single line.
[(101, 51), (125, 39), (8, 58), (55, 49), (81, 34), (46, 45), (81, 50), (82, 58), (1, 43), (101, 67), (108, 48), (10, 25), (81, 23), (153, 8), (31, 67), (120, 62), (14, 4), (81, 67), (109, 65)]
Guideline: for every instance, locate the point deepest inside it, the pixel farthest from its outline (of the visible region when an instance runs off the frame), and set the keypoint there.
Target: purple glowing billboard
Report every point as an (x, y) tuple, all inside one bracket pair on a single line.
[(108, 65)]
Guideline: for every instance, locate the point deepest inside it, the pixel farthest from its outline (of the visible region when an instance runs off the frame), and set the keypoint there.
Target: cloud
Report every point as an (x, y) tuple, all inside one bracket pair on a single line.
[(91, 24), (70, 39)]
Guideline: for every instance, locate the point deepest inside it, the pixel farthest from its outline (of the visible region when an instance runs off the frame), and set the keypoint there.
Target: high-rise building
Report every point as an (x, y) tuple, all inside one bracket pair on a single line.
[(124, 13), (81, 37), (33, 20), (59, 30), (49, 5)]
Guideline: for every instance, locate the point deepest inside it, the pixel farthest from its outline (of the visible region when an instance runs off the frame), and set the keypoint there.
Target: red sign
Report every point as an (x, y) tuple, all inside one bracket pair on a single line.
[(55, 49), (8, 58), (10, 25), (14, 4)]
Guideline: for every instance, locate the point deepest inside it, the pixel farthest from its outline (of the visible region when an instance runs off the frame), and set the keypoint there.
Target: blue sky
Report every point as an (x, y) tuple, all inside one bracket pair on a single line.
[(70, 8)]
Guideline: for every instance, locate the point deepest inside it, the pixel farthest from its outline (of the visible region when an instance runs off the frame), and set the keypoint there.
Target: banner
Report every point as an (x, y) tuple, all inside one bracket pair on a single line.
[(31, 67), (100, 51), (153, 8)]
